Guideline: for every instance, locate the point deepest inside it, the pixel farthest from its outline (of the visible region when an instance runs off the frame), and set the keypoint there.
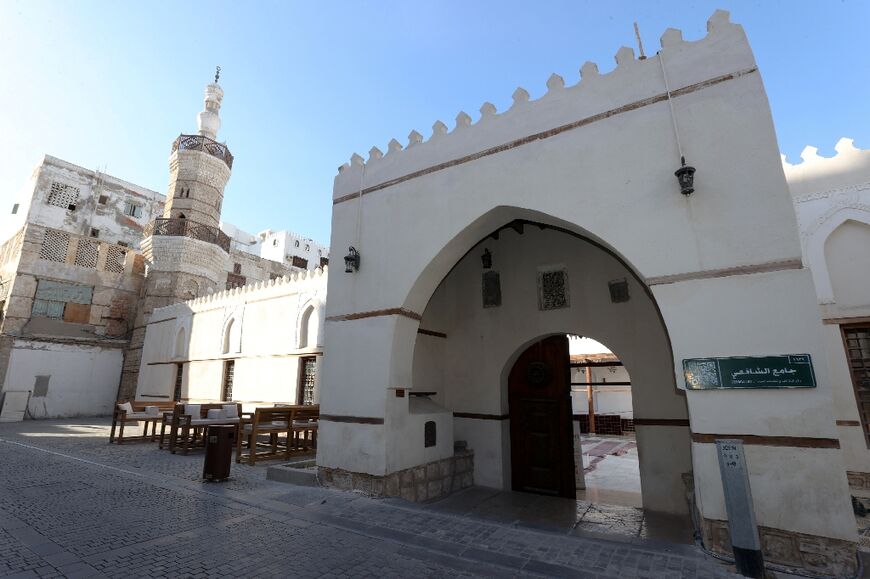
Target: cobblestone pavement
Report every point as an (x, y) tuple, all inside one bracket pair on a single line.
[(72, 505)]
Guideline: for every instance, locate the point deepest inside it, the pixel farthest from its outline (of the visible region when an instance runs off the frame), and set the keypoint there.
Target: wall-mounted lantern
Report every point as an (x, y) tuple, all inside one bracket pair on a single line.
[(486, 258), (686, 176), (351, 260)]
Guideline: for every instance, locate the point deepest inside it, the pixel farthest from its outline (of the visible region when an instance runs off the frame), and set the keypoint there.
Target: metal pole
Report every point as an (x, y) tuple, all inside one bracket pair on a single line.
[(745, 541)]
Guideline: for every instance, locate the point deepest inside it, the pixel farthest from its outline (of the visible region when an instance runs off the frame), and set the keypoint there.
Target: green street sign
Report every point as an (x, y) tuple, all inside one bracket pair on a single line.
[(787, 371)]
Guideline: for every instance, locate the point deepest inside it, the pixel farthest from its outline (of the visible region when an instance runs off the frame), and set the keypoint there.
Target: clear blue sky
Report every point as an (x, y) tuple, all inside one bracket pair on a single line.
[(112, 83)]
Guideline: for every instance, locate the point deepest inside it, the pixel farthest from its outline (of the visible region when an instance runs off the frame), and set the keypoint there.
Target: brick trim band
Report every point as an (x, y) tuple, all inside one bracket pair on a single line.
[(661, 422), (727, 271), (792, 441), (351, 419), (547, 134), (477, 416), (848, 423), (376, 314)]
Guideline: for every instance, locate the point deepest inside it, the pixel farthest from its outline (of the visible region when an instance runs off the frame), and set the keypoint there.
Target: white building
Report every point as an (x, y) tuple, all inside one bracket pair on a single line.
[(261, 343), (564, 216)]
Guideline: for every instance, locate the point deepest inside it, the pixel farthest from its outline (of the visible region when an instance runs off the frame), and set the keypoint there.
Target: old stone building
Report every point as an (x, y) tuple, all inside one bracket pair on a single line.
[(87, 257)]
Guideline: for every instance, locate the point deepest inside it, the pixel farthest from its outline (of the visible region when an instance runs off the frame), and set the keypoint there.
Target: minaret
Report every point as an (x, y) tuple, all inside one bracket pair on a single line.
[(186, 253), (199, 166)]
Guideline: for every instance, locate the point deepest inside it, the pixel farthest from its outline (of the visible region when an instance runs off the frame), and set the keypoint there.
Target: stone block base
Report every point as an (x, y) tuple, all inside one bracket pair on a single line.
[(427, 482), (821, 555)]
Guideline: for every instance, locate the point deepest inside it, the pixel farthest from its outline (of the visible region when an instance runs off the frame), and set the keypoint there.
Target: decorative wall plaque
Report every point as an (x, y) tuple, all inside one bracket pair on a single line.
[(553, 290), (491, 289), (789, 371)]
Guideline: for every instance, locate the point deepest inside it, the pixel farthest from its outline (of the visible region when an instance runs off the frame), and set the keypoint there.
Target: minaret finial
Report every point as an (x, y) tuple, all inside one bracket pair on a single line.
[(217, 74)]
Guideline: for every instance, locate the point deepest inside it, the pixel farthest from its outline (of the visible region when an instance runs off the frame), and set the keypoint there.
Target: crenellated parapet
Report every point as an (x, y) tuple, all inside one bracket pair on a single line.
[(722, 54), (297, 283), (816, 177)]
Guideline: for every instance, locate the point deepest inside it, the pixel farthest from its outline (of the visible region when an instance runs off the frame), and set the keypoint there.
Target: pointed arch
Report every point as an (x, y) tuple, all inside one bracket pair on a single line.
[(814, 248), (309, 325), (231, 337)]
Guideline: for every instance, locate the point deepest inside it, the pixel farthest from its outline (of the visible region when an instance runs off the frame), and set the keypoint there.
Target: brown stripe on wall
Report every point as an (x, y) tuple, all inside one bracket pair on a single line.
[(661, 422), (376, 314), (727, 271), (352, 419), (477, 416), (840, 321), (546, 134), (431, 333), (793, 441), (848, 423)]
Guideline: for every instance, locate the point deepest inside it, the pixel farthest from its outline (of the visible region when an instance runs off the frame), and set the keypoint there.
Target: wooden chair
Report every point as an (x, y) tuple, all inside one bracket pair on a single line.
[(304, 429), (189, 421), (146, 412), (272, 421)]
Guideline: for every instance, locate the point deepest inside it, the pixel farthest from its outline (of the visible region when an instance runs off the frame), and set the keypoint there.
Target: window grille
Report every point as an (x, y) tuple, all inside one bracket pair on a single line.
[(55, 246), (115, 259), (86, 253), (307, 378), (229, 375), (179, 380), (857, 340), (553, 290), (62, 195), (300, 262)]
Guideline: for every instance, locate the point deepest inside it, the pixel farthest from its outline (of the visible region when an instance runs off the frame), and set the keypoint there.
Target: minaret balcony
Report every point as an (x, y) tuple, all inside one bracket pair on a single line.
[(201, 143), (181, 227)]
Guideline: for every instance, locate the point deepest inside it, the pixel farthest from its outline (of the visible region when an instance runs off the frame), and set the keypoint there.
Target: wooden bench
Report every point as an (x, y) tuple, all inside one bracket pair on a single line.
[(137, 411), (189, 421), (296, 425)]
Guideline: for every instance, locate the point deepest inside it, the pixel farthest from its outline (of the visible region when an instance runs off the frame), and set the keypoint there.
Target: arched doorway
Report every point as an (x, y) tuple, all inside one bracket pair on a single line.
[(483, 328)]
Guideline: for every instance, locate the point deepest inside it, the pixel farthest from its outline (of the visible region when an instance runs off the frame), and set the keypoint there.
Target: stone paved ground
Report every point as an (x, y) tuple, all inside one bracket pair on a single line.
[(72, 505)]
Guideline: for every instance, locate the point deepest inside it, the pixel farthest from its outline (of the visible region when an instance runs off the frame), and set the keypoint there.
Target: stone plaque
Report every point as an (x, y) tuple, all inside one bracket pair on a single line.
[(787, 371), (553, 290)]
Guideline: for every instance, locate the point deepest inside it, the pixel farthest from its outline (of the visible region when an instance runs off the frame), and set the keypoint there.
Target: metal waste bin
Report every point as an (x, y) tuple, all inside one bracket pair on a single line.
[(219, 442)]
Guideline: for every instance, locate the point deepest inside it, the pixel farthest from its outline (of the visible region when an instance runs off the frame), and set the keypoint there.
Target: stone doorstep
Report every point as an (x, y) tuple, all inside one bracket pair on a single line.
[(799, 551), (423, 483)]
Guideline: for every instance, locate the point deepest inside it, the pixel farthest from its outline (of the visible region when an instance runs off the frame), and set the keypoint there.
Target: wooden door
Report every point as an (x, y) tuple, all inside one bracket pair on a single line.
[(539, 396)]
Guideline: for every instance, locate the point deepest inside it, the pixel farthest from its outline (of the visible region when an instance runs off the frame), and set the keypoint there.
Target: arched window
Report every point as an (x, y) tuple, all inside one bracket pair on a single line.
[(181, 216), (308, 329), (225, 349), (297, 243)]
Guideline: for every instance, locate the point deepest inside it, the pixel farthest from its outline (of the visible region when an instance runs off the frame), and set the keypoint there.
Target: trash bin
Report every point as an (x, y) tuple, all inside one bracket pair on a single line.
[(219, 442)]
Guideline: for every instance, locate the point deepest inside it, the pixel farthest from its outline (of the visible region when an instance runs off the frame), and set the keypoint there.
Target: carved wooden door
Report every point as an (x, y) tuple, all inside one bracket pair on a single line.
[(539, 396)]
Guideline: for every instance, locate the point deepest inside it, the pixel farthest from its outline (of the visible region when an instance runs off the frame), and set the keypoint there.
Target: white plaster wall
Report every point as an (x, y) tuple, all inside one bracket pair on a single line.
[(84, 379), (260, 323)]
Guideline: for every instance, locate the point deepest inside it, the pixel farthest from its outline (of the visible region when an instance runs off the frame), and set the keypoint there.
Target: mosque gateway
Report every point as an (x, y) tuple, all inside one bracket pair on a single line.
[(625, 263)]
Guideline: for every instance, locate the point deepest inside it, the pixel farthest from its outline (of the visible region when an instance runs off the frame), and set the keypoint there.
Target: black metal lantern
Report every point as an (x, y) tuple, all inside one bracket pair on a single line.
[(686, 177), (486, 258), (351, 260)]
